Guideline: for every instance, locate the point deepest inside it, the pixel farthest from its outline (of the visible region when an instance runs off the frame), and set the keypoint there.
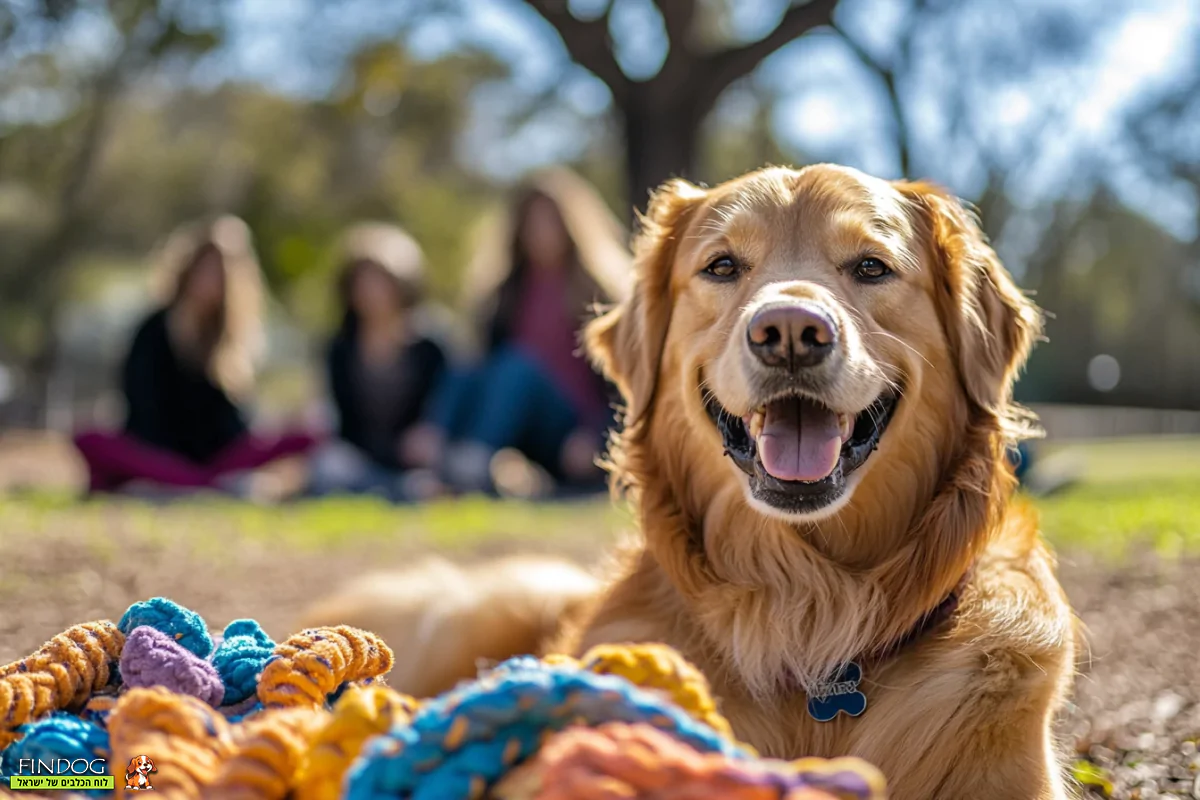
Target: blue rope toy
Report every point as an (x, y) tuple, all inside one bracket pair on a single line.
[(463, 742)]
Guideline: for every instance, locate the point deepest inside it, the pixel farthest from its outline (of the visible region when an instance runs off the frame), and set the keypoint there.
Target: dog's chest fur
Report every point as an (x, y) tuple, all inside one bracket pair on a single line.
[(1005, 656)]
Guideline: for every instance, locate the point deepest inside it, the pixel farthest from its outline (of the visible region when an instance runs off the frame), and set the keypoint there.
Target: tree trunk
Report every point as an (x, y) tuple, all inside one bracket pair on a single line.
[(661, 143)]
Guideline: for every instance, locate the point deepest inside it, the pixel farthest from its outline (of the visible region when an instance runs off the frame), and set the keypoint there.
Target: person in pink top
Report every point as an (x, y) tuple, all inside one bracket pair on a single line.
[(529, 290)]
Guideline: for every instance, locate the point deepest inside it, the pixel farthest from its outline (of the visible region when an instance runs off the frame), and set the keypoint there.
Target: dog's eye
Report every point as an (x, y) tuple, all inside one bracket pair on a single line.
[(871, 269), (723, 268)]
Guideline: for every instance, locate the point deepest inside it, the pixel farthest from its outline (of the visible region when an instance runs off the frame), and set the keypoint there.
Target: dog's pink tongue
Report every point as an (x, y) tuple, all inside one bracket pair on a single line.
[(800, 441)]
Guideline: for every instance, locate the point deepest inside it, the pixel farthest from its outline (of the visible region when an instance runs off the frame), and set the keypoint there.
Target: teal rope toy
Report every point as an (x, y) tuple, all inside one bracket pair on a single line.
[(183, 625), (462, 743), (244, 650)]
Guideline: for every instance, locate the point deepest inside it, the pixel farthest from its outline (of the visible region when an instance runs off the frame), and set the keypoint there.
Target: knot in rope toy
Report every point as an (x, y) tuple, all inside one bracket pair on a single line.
[(152, 658), (310, 719), (183, 625), (243, 653)]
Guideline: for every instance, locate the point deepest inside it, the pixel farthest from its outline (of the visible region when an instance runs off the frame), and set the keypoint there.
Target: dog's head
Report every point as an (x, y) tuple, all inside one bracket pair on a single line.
[(811, 344), (140, 765)]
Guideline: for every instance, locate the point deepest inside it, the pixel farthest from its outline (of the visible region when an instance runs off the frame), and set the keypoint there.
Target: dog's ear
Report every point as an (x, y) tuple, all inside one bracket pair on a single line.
[(627, 342), (153, 768), (990, 322), (131, 767)]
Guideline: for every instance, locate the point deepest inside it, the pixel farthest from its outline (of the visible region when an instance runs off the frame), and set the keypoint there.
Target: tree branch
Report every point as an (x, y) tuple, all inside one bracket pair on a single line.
[(589, 44), (888, 76), (725, 67), (678, 16)]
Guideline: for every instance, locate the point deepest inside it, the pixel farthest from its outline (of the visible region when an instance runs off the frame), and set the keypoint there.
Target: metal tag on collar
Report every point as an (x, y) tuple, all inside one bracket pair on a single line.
[(839, 694)]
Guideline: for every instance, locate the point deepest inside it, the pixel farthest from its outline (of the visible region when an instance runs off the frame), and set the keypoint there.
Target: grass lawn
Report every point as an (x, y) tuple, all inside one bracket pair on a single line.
[(1105, 517), (1129, 492)]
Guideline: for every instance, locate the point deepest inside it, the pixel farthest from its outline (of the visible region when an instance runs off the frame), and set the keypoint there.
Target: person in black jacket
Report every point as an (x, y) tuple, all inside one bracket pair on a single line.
[(383, 362), (530, 415), (188, 372)]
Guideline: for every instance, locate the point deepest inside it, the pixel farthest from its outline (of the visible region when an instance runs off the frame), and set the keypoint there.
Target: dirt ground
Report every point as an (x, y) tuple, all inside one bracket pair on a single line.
[(1135, 714)]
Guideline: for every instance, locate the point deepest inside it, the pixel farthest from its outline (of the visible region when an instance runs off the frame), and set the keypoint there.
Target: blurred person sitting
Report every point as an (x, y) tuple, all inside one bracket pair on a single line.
[(382, 364), (533, 393), (188, 373)]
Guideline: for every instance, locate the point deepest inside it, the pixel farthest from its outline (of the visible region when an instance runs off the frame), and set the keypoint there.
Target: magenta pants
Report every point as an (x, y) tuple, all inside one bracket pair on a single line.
[(115, 458)]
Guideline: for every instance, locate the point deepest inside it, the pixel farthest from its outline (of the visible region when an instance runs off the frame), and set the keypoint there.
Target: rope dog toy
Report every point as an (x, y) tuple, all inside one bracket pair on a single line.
[(186, 737), (313, 663), (235, 715), (152, 658), (244, 650), (656, 666), (63, 673), (360, 713), (181, 624), (463, 742), (270, 747), (619, 761)]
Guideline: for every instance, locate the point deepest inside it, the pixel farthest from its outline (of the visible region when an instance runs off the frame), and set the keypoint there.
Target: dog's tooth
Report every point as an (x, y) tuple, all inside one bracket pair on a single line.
[(756, 424), (845, 425)]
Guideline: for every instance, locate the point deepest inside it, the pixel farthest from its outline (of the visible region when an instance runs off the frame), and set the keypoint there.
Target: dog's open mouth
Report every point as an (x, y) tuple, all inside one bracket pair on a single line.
[(797, 452)]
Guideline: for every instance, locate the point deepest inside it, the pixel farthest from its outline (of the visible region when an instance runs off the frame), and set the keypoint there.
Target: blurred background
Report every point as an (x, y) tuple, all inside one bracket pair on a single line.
[(1073, 125)]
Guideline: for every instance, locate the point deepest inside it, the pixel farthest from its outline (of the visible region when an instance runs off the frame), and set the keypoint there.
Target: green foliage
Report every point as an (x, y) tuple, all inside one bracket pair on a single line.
[(382, 146)]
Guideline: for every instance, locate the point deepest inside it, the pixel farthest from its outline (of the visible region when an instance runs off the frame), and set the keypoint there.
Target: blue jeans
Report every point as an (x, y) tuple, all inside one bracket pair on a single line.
[(507, 401), (341, 468)]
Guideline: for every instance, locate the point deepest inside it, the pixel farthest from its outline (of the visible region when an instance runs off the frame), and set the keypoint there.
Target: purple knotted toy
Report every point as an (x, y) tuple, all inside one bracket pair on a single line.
[(152, 658)]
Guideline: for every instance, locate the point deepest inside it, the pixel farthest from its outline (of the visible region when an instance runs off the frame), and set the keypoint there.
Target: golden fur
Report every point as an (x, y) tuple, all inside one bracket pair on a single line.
[(765, 603), (444, 620)]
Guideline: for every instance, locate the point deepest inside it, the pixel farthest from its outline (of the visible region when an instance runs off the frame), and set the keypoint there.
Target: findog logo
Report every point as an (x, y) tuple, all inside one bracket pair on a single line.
[(45, 774), (137, 774)]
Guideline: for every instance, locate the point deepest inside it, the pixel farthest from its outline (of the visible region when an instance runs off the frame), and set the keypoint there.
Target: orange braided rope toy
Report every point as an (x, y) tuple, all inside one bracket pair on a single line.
[(62, 674), (317, 723)]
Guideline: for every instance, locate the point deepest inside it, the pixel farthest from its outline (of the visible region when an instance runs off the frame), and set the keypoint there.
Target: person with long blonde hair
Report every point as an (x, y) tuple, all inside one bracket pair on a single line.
[(190, 370), (557, 253)]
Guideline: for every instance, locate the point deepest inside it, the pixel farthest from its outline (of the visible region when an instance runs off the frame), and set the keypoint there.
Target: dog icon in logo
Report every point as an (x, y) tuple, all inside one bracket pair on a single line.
[(137, 774)]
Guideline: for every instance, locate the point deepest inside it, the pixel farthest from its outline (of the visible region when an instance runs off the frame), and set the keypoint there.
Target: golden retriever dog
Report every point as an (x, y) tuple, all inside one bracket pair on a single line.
[(817, 368)]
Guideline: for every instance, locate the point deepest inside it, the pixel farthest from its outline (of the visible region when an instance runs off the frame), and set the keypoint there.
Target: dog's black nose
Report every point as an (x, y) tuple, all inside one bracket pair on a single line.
[(791, 335)]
